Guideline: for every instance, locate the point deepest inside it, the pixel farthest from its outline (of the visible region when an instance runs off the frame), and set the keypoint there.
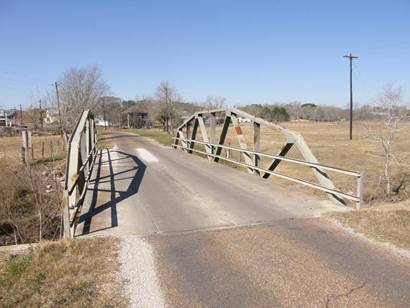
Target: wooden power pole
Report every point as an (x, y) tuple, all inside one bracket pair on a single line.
[(351, 57), (58, 105)]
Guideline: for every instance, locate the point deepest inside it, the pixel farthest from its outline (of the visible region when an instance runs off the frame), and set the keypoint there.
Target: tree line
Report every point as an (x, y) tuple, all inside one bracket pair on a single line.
[(85, 88)]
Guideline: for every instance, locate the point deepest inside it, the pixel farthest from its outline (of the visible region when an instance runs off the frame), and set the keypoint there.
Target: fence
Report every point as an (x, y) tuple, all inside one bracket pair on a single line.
[(47, 148), (81, 154)]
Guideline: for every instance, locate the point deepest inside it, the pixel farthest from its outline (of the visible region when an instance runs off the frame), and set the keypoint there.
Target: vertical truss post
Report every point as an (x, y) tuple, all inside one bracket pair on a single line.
[(212, 130), (193, 135), (188, 129), (241, 141), (256, 145)]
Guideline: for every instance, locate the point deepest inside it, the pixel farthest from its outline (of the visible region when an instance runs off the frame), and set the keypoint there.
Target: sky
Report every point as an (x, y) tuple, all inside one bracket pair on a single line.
[(246, 51)]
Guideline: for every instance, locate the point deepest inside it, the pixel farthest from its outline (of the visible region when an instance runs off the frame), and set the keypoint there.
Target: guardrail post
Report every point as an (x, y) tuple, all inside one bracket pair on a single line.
[(360, 190)]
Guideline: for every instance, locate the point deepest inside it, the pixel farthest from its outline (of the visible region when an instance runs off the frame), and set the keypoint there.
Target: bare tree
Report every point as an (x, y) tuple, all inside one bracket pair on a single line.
[(109, 108), (167, 95), (80, 89), (385, 131), (214, 102)]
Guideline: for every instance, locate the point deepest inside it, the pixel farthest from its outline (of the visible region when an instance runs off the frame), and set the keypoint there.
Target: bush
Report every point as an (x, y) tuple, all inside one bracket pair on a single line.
[(273, 113), (27, 212)]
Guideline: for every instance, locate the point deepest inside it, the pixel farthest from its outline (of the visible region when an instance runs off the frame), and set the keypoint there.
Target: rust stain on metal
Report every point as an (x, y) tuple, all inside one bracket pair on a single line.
[(238, 130), (74, 177)]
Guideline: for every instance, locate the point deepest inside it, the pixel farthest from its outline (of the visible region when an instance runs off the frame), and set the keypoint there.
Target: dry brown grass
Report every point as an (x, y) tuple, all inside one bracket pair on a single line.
[(80, 273), (10, 147), (383, 223), (30, 197), (30, 203), (329, 142)]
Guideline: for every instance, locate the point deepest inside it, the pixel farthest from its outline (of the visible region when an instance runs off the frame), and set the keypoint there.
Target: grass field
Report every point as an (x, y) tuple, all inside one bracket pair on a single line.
[(10, 148)]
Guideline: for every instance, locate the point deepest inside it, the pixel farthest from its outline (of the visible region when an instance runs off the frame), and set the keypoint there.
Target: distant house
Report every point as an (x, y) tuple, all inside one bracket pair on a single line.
[(51, 116), (4, 119), (8, 118), (101, 122), (134, 117)]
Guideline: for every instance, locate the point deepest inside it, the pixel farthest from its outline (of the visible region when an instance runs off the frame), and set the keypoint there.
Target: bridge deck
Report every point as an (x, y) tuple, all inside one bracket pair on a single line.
[(141, 188)]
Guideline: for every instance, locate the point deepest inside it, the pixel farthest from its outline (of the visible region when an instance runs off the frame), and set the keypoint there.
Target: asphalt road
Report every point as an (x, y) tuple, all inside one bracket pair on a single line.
[(224, 238)]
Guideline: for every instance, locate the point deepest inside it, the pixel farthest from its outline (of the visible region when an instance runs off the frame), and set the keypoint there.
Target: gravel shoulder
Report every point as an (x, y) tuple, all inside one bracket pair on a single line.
[(138, 270)]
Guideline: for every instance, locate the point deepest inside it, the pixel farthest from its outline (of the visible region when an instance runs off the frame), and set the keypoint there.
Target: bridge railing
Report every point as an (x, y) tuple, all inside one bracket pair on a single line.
[(81, 154), (212, 150)]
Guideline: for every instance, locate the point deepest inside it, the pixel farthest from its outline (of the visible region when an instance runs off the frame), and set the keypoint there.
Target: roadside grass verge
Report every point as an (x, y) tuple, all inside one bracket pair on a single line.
[(386, 223), (80, 273)]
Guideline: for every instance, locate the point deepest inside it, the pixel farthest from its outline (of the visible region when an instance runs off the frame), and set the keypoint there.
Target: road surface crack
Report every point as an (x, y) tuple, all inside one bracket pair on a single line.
[(331, 298)]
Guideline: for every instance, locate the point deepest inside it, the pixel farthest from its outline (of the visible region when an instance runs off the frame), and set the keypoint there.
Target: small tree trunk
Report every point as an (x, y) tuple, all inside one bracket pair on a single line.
[(387, 173)]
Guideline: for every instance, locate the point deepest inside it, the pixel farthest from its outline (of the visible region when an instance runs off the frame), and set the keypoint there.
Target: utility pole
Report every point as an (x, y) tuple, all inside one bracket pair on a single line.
[(21, 116), (41, 115), (351, 57), (58, 105)]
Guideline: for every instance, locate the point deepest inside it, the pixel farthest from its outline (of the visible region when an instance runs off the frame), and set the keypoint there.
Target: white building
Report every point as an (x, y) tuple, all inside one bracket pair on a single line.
[(51, 116), (4, 119), (244, 120), (101, 122)]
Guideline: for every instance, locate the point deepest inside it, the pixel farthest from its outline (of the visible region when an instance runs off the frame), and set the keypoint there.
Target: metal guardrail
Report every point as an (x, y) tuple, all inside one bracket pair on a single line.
[(81, 154), (213, 148)]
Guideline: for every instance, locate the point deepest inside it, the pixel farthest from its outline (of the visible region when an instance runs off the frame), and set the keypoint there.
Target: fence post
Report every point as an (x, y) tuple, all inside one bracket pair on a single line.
[(26, 146), (51, 150)]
